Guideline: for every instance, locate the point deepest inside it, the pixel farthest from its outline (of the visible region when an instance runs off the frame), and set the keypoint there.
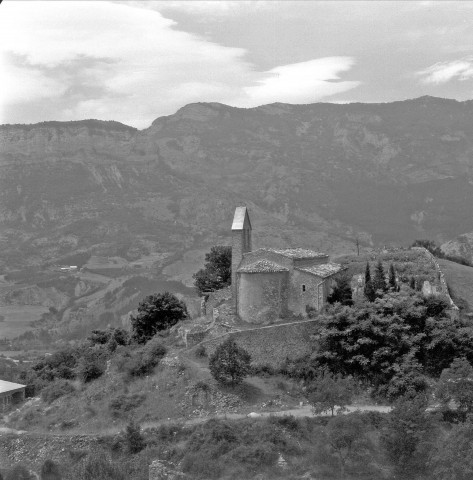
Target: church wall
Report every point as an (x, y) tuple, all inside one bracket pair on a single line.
[(314, 295), (262, 296)]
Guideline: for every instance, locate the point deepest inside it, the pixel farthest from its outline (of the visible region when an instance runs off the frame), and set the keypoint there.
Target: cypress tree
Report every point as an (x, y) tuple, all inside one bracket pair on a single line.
[(367, 273), (392, 278), (379, 281), (369, 290), (412, 283)]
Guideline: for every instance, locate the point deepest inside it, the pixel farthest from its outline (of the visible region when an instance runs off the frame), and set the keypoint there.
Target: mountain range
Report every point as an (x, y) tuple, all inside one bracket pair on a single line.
[(320, 175)]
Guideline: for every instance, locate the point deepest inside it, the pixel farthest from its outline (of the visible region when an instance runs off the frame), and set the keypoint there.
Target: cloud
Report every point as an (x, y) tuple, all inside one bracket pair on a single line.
[(302, 82), (129, 63), (443, 72)]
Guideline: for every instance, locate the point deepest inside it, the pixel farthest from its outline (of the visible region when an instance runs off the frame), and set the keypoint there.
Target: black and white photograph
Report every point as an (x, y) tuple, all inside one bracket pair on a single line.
[(236, 240)]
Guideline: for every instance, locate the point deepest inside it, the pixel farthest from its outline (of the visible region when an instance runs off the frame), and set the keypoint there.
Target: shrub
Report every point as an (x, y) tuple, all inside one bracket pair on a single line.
[(265, 370), (97, 466), (256, 455), (123, 404), (50, 471), (56, 390), (145, 359), (200, 351), (90, 368), (134, 440)]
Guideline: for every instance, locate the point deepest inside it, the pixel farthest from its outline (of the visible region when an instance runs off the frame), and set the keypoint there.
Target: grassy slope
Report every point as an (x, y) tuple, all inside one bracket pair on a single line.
[(459, 278)]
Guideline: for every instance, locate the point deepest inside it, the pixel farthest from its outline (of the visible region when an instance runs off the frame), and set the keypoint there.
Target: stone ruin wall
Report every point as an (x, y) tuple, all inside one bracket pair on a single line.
[(442, 289)]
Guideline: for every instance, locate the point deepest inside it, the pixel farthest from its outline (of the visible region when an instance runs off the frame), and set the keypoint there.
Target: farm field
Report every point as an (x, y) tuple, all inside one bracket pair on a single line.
[(17, 319)]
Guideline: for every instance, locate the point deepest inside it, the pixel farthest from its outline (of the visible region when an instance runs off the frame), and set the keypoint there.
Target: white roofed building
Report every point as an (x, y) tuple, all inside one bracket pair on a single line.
[(11, 394)]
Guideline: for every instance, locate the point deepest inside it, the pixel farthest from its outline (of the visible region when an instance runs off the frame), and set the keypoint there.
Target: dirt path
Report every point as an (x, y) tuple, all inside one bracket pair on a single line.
[(300, 412)]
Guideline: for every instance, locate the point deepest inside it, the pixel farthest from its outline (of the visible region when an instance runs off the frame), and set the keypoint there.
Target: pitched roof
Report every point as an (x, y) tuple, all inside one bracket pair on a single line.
[(297, 252), (8, 386), (241, 213), (262, 266), (323, 270)]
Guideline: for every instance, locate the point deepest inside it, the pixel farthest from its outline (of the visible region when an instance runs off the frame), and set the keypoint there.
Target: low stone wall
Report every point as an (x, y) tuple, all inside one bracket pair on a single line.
[(442, 288), (273, 344)]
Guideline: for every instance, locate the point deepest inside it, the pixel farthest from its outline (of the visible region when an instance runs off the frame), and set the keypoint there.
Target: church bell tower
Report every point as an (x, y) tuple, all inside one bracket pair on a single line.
[(241, 243)]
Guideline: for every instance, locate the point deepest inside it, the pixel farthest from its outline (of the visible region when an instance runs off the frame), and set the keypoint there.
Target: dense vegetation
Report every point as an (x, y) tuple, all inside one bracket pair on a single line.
[(216, 273)]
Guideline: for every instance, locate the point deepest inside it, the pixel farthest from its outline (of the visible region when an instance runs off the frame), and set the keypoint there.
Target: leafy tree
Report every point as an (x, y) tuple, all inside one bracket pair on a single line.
[(341, 293), (230, 363), (408, 379), (362, 342), (50, 471), (329, 391), (134, 440), (456, 384), (346, 436), (452, 458), (392, 278), (155, 313), (379, 280), (408, 436), (217, 272)]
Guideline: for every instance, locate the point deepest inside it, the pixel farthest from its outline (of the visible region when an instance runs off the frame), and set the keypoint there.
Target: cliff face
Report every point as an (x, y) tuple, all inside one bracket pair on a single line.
[(312, 175)]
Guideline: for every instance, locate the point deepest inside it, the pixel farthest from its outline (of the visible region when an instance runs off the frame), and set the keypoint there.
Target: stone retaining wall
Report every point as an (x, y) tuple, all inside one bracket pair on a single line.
[(273, 344)]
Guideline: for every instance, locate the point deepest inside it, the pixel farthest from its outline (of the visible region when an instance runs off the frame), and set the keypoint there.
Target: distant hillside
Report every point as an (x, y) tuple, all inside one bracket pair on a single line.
[(316, 176)]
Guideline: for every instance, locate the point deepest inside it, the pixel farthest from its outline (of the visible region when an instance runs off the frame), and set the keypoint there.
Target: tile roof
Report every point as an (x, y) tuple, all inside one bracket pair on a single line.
[(8, 386), (239, 218), (262, 266), (297, 252), (323, 270)]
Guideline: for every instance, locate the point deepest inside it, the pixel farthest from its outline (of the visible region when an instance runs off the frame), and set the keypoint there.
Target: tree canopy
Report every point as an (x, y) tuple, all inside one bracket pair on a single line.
[(217, 271), (155, 313), (230, 363)]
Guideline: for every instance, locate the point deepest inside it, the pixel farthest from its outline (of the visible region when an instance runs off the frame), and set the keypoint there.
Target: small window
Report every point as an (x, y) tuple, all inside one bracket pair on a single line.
[(303, 288)]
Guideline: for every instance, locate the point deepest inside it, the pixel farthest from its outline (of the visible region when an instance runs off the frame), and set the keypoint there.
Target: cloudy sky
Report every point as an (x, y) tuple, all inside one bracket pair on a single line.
[(134, 61)]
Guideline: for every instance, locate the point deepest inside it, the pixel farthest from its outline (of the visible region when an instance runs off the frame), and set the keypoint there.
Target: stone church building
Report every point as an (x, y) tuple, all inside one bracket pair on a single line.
[(270, 283)]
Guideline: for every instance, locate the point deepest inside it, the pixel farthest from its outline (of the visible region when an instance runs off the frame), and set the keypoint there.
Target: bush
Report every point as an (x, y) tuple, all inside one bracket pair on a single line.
[(200, 351), (145, 359), (123, 404), (50, 471), (256, 455), (96, 466), (134, 441), (56, 390), (90, 368)]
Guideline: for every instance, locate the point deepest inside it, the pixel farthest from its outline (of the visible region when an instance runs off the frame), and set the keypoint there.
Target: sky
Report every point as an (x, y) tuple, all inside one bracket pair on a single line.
[(134, 61)]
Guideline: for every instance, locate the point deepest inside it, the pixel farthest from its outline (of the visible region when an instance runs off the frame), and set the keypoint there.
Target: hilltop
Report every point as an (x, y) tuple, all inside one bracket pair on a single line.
[(143, 206)]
